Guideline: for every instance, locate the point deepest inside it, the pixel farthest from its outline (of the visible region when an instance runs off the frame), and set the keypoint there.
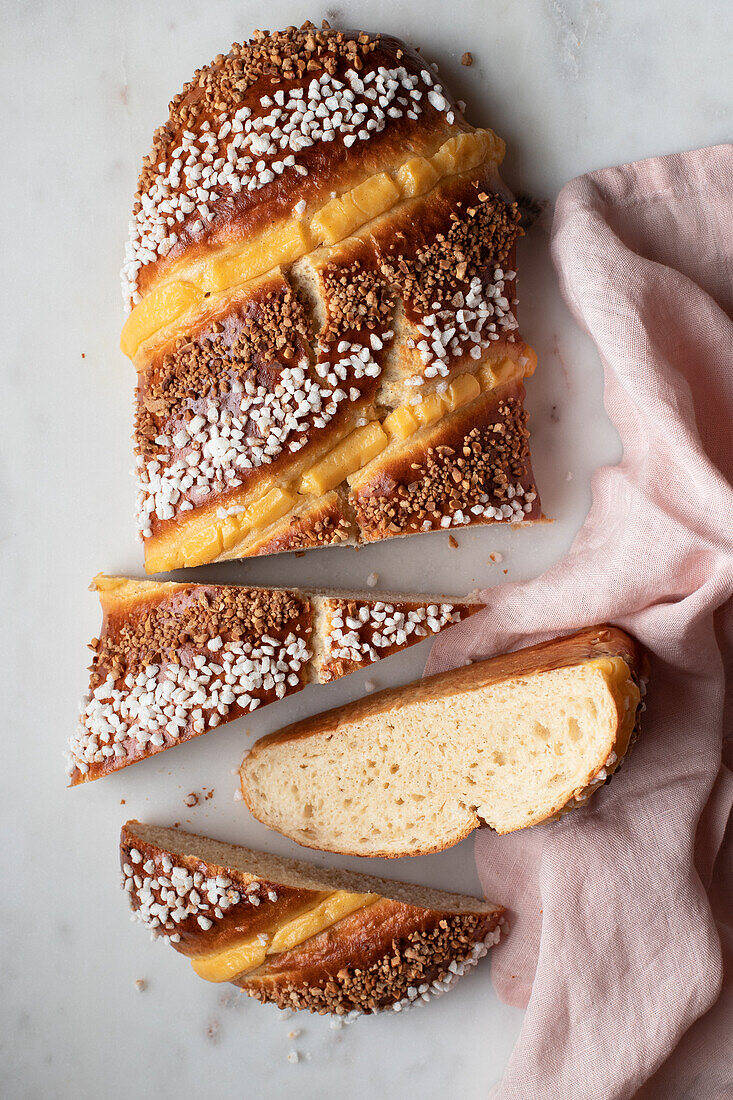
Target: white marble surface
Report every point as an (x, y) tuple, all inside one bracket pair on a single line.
[(572, 85)]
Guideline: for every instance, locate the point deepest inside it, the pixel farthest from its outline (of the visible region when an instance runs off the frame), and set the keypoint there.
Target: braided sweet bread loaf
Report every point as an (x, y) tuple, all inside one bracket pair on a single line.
[(321, 278)]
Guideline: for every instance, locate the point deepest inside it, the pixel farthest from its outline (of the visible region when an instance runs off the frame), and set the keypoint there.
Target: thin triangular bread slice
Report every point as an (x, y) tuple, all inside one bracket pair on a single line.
[(297, 935), (508, 742), (174, 660)]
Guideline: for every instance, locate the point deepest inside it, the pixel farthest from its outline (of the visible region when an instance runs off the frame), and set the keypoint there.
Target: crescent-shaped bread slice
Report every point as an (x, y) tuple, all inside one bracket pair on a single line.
[(299, 936), (322, 277), (174, 660), (508, 742)]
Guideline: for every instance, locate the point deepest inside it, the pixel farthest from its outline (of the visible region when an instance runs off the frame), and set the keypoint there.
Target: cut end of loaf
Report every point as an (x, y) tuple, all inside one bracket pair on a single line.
[(296, 873), (416, 770)]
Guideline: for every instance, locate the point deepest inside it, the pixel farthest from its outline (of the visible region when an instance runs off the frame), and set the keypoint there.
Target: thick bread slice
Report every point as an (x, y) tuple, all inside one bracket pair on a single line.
[(173, 660), (302, 937), (507, 742)]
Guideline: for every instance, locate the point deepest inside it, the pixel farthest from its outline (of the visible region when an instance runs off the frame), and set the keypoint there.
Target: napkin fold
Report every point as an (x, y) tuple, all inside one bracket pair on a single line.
[(622, 912)]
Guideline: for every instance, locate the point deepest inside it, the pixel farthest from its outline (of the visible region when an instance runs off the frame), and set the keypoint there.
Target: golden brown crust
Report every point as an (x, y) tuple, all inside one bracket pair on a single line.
[(326, 522), (177, 635), (357, 635), (328, 166), (388, 951), (255, 903), (370, 959), (241, 351), (472, 467)]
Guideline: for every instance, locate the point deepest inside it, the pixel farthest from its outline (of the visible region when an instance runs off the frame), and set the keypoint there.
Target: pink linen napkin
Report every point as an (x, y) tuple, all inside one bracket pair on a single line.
[(621, 930)]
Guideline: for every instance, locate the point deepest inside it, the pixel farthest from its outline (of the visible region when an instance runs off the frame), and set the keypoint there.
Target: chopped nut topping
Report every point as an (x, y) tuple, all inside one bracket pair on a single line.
[(356, 298), (172, 671), (422, 963), (192, 617), (454, 486), (478, 237), (223, 142)]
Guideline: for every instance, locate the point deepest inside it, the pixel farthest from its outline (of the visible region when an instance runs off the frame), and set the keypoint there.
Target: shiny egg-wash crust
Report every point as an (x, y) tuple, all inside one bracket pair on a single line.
[(173, 661), (245, 387), (404, 947)]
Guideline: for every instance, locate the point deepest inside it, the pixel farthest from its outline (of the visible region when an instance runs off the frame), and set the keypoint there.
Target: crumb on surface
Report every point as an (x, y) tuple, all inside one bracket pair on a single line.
[(123, 801), (495, 557), (238, 795), (531, 209), (453, 542), (140, 985), (467, 59), (295, 1033), (191, 799), (369, 685), (293, 1057), (373, 580)]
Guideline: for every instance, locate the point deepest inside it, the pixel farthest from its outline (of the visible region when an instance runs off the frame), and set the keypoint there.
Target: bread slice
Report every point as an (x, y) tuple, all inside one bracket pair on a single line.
[(174, 660), (301, 937), (507, 742)]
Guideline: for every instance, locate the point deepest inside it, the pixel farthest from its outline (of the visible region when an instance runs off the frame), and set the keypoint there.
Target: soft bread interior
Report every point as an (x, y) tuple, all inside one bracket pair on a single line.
[(421, 776), (297, 873)]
